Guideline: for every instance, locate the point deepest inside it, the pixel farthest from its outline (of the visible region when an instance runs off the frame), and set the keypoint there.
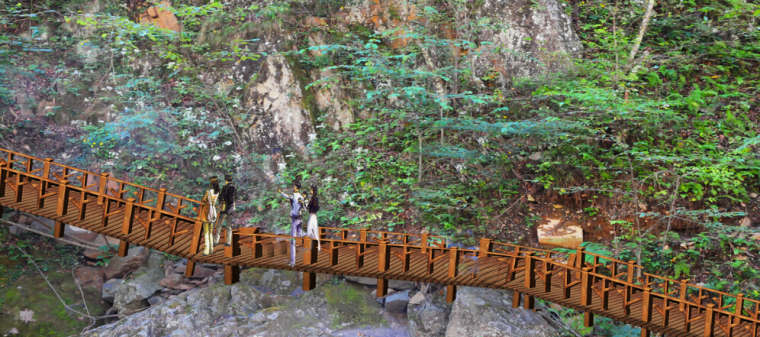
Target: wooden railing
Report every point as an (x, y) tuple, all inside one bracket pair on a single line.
[(706, 308)]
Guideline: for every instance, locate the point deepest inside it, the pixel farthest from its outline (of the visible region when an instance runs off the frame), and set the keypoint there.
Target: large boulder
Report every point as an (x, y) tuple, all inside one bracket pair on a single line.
[(428, 318), (121, 266), (537, 39), (110, 288), (393, 284), (274, 101), (90, 276), (242, 310), (281, 282), (397, 302), (133, 294), (488, 313)]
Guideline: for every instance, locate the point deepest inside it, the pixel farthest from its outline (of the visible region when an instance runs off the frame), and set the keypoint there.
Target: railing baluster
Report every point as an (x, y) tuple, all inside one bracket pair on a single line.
[(709, 320), (530, 270)]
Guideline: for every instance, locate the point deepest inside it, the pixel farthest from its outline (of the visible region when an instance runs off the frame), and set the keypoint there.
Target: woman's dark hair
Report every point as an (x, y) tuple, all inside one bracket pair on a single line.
[(297, 184), (214, 184), (314, 202), (228, 177)]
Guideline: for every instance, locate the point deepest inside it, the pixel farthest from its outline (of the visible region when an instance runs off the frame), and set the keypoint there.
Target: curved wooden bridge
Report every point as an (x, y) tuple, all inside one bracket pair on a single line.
[(597, 285)]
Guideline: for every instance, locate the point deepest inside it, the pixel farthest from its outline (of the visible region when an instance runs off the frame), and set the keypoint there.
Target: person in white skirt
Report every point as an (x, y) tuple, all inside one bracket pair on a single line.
[(312, 229)]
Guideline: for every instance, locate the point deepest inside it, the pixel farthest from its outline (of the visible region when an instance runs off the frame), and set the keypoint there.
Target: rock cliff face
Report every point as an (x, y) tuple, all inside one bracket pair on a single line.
[(275, 103), (538, 38)]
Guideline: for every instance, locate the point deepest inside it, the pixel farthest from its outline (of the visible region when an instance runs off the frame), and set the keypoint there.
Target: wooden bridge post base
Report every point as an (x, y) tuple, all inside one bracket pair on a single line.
[(515, 299), (645, 333), (529, 302), (231, 274), (123, 247), (588, 319), (382, 287), (2, 209), (309, 281), (190, 268), (58, 230), (451, 293)]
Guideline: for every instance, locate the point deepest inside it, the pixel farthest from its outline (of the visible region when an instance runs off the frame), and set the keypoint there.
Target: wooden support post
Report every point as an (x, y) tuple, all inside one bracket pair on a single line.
[(588, 319), (258, 248), (529, 302), (194, 246), (63, 198), (512, 265), (515, 299), (709, 320), (683, 290), (382, 287), (309, 281), (451, 293), (310, 251), (453, 262), (646, 305), (43, 184), (580, 257), (423, 243), (485, 247), (102, 187), (129, 214), (155, 215), (231, 274), (631, 271), (530, 270), (2, 210), (123, 248), (4, 176), (645, 332), (383, 256), (234, 249), (360, 247), (19, 188), (190, 268), (586, 287), (58, 230), (606, 294)]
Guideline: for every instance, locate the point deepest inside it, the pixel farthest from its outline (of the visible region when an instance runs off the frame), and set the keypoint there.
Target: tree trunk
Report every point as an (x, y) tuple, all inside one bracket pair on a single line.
[(642, 30)]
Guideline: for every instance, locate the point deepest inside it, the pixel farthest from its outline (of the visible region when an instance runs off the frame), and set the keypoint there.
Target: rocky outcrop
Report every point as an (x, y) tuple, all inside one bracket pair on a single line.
[(90, 276), (538, 39), (275, 101), (110, 288), (489, 313), (118, 267), (428, 318), (161, 17), (241, 310), (280, 282), (133, 294), (393, 284)]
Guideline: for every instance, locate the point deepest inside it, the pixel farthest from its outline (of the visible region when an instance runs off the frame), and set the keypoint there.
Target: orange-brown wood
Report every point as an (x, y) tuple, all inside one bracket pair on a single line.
[(616, 289)]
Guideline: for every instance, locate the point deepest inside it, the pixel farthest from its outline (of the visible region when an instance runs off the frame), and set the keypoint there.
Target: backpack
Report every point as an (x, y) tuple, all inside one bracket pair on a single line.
[(212, 209)]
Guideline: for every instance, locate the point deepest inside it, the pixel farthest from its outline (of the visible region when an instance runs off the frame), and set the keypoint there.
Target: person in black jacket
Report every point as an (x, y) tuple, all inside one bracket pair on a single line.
[(227, 202)]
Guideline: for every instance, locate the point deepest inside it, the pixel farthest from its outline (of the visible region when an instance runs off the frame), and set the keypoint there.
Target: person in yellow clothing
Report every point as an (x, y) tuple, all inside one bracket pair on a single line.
[(208, 214)]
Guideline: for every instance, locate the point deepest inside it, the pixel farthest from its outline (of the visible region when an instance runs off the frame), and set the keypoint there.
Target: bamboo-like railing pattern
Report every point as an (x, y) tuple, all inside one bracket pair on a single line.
[(535, 272)]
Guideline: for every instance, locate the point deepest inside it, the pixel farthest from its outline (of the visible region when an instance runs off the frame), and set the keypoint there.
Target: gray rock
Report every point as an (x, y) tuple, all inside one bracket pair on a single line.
[(429, 318), (121, 266), (489, 313), (155, 260), (133, 294), (535, 156), (274, 101), (155, 300), (281, 282), (172, 281), (393, 284), (536, 39), (110, 288), (241, 310), (397, 302)]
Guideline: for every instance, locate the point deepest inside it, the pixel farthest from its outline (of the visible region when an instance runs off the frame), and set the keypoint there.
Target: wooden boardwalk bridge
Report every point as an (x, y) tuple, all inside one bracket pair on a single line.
[(595, 284)]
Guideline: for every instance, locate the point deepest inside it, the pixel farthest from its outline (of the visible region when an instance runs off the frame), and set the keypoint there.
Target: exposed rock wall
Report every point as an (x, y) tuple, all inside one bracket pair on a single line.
[(275, 102)]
